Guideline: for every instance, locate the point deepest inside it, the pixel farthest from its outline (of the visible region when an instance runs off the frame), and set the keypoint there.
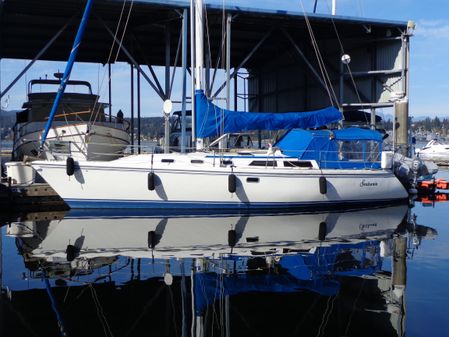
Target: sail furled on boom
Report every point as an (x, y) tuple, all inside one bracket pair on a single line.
[(212, 121)]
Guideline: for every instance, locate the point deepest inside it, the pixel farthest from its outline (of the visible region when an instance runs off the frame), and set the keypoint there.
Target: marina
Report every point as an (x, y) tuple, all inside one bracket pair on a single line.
[(350, 171), (204, 168)]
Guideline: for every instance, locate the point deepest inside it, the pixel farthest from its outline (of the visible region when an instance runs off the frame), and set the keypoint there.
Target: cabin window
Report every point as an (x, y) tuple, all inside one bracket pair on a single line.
[(252, 239), (167, 160), (270, 163), (252, 180), (306, 164), (227, 162), (197, 161)]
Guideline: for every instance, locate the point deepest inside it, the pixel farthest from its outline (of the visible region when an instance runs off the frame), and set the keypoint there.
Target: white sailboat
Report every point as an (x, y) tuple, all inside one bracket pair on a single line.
[(244, 181)]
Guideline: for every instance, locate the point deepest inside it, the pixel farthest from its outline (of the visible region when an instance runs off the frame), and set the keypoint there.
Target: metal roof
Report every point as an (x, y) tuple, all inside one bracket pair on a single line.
[(27, 25)]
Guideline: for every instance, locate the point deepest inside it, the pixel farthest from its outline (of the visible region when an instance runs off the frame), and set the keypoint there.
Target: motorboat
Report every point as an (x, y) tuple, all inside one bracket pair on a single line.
[(435, 151), (81, 129)]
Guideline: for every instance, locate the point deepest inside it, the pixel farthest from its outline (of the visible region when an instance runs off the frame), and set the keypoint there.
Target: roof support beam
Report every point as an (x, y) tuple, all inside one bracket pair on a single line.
[(167, 61), (175, 65), (352, 87), (139, 148), (242, 64), (217, 63), (372, 73), (132, 107), (304, 58), (329, 64), (110, 91), (133, 61), (43, 50), (228, 61), (150, 68)]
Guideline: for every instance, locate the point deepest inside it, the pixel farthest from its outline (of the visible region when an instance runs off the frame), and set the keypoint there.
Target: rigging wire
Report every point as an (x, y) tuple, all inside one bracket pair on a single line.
[(209, 54), (342, 51), (354, 307), (100, 312), (172, 79), (173, 307), (224, 36), (97, 106), (360, 7), (110, 54), (327, 315), (328, 84), (220, 55)]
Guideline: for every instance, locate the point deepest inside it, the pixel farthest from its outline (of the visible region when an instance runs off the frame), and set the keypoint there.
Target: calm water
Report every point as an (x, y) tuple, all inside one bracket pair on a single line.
[(372, 272)]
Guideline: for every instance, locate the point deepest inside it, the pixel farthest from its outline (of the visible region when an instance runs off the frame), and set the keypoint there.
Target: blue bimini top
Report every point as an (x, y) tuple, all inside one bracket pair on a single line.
[(345, 148)]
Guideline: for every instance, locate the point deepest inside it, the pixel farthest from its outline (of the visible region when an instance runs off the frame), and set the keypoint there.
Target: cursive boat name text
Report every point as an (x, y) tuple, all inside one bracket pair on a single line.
[(365, 183)]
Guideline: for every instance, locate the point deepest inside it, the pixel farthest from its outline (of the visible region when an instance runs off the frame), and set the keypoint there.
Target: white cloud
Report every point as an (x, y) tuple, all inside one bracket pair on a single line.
[(435, 29)]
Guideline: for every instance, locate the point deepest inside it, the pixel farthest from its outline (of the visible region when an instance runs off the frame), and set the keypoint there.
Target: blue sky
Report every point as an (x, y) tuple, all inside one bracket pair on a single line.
[(429, 78)]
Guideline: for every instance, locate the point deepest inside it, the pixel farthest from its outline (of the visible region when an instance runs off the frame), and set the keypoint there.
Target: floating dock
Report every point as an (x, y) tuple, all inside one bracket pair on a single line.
[(35, 197)]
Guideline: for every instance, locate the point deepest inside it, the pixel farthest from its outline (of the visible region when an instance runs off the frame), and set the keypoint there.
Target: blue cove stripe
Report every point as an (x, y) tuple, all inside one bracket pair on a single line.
[(238, 206)]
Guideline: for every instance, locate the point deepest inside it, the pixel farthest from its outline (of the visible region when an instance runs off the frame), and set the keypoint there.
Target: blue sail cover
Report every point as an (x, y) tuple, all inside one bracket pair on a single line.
[(212, 121)]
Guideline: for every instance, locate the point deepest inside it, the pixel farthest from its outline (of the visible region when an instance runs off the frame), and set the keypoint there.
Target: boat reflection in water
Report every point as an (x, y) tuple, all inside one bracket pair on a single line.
[(269, 275)]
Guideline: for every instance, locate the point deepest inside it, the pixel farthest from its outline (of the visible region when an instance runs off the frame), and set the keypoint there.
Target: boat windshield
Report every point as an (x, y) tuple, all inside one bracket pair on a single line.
[(177, 121)]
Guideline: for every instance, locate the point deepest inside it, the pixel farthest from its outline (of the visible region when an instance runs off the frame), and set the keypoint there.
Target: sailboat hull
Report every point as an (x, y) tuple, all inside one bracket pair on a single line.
[(198, 182)]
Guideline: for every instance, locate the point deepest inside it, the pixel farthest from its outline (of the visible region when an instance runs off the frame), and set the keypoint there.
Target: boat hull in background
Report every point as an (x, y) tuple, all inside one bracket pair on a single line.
[(82, 141)]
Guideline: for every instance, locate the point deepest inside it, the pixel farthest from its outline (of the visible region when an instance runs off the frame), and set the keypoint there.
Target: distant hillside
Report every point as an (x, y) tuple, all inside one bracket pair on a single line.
[(419, 118), (8, 113), (152, 127), (7, 118)]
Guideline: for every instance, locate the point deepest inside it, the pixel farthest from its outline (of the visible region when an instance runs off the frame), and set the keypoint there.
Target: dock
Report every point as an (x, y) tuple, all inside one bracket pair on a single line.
[(35, 197)]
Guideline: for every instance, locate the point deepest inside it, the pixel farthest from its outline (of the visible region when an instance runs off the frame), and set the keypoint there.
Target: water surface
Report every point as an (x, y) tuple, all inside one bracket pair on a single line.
[(371, 272)]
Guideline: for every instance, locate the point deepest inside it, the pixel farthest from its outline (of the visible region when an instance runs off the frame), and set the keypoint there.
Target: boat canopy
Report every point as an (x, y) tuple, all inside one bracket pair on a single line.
[(212, 121), (346, 148)]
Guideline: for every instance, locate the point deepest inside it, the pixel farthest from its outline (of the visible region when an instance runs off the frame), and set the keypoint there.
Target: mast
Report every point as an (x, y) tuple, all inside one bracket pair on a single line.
[(68, 69), (334, 7), (199, 57), (192, 67)]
